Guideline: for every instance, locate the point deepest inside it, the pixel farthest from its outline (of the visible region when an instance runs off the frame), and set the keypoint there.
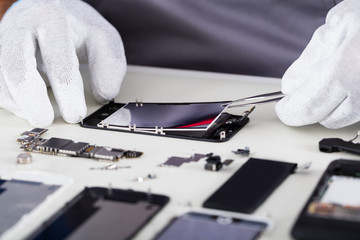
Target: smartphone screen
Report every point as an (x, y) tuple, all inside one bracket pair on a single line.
[(207, 121), (100, 213), (338, 198), (18, 197), (168, 116), (205, 226)]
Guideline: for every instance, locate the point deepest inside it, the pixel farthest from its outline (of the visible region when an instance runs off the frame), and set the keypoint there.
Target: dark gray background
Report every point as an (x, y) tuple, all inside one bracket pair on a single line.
[(255, 37)]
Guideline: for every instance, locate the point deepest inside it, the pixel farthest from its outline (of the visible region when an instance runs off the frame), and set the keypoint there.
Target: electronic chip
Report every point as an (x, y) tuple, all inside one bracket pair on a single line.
[(53, 144), (73, 148), (90, 151), (132, 154), (109, 153), (38, 131)]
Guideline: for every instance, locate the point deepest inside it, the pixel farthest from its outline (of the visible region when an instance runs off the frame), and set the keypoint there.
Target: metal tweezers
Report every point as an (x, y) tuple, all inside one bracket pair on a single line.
[(255, 100)]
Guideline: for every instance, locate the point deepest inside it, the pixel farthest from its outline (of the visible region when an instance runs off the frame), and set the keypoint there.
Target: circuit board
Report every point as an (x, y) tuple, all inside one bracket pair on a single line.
[(31, 141)]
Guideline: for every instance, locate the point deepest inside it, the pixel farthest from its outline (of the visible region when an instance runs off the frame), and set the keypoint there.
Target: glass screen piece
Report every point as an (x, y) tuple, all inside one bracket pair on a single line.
[(212, 227), (223, 128), (21, 193), (168, 116), (100, 213), (18, 198), (113, 220), (339, 199)]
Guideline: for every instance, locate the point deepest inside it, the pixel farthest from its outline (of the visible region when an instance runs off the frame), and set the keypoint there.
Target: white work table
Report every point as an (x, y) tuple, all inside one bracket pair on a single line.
[(190, 185)]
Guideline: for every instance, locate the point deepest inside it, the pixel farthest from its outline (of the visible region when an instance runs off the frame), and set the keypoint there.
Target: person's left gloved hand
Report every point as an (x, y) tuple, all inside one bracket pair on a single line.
[(56, 34), (323, 85)]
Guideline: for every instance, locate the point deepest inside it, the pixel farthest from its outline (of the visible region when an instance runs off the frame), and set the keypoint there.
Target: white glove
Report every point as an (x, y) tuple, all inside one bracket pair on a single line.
[(323, 85), (56, 33)]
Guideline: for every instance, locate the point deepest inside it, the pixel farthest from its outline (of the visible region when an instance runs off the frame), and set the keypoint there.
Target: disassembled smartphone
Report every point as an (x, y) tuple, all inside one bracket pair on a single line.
[(333, 209), (22, 192), (102, 213), (197, 121), (32, 142), (195, 225)]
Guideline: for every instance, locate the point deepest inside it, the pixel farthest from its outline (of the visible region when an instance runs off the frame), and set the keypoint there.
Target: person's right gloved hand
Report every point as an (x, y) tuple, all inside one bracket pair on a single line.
[(323, 85), (56, 34)]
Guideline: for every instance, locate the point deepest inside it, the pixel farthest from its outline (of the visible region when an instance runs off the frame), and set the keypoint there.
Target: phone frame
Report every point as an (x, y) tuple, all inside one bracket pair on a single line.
[(316, 227), (221, 131), (214, 215)]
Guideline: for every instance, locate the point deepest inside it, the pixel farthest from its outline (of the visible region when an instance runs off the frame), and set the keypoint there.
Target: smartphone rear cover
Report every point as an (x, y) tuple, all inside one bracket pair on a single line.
[(250, 185)]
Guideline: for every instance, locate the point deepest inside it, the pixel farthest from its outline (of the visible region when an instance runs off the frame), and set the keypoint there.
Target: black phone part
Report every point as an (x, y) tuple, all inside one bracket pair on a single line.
[(330, 145), (224, 128), (309, 227), (250, 185)]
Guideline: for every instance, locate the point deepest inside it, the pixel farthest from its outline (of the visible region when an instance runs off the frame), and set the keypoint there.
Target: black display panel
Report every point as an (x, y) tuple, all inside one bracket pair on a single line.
[(249, 187)]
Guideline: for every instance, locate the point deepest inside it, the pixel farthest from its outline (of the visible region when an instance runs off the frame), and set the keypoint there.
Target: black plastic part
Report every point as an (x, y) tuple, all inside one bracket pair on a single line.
[(244, 152), (308, 227), (330, 145), (213, 163), (249, 187), (228, 123)]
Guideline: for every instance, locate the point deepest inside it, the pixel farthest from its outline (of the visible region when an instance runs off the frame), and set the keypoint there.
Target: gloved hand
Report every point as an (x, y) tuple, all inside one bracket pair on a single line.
[(323, 85), (57, 34)]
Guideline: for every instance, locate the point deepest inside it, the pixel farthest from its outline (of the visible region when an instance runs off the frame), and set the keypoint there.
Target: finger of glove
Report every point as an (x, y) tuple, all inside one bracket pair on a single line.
[(324, 42), (104, 48), (344, 115), (309, 104), (107, 63), (313, 88), (6, 100), (342, 9), (321, 47), (24, 82), (348, 73), (62, 67)]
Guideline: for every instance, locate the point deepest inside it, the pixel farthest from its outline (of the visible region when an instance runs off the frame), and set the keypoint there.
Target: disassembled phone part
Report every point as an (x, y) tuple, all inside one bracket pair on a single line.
[(214, 163), (32, 142), (178, 161), (21, 193), (243, 152), (110, 167), (330, 145), (150, 176), (24, 158), (254, 182), (213, 225), (102, 213), (332, 211), (206, 121)]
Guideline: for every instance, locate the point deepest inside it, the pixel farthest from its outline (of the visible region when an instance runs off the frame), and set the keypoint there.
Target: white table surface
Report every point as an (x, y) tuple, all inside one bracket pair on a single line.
[(189, 185)]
